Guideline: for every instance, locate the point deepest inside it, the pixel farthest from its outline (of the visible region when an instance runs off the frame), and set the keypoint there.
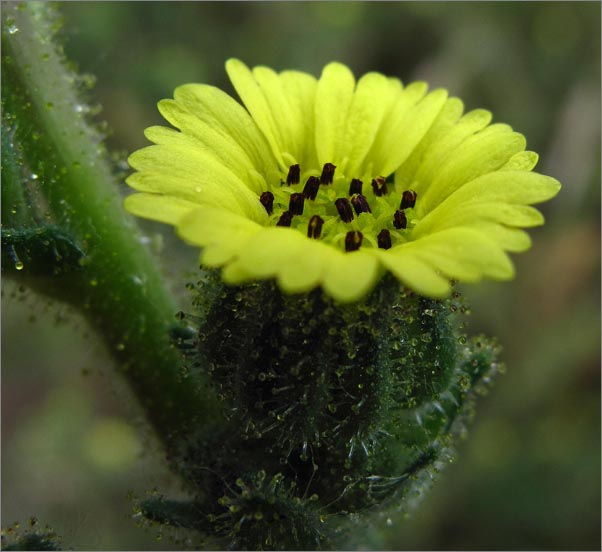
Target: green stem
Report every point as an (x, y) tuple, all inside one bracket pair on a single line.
[(118, 286)]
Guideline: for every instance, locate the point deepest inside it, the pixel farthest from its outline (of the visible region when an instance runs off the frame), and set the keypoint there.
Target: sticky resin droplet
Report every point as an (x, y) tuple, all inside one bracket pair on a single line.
[(19, 265)]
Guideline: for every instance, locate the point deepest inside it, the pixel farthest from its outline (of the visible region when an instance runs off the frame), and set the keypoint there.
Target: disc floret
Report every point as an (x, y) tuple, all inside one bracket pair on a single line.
[(308, 200)]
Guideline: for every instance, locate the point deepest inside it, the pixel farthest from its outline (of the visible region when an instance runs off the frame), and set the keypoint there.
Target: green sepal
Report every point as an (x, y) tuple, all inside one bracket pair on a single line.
[(176, 513), (31, 537), (352, 409), (43, 251)]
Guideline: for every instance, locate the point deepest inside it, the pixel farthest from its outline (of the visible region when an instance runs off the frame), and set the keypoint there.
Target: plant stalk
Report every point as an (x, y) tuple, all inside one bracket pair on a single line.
[(118, 286)]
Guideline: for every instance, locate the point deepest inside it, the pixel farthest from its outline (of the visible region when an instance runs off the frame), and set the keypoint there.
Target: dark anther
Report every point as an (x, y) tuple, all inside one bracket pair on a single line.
[(310, 191), (353, 240), (294, 173), (344, 208), (314, 228), (399, 220), (295, 204), (384, 239), (285, 219), (408, 199), (267, 200), (360, 204), (355, 187), (379, 185), (327, 173)]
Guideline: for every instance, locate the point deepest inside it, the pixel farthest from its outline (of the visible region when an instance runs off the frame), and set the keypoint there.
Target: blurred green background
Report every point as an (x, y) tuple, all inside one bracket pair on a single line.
[(528, 476)]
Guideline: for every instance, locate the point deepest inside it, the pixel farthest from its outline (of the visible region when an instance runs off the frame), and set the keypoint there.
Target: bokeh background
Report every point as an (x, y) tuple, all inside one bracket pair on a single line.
[(528, 476)]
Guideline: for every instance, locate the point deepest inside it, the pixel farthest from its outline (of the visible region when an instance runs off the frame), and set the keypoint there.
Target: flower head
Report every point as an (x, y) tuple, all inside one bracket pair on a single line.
[(331, 182)]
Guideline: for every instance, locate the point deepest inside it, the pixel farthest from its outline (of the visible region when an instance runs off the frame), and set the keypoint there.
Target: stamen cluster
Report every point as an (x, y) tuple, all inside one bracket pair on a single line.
[(338, 211)]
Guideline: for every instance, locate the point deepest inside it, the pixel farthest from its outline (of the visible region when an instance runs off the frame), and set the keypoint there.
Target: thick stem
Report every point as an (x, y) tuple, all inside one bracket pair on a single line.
[(118, 286)]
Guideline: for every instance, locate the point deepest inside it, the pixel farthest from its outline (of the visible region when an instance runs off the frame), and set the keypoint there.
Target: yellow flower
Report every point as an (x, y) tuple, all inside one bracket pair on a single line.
[(331, 183)]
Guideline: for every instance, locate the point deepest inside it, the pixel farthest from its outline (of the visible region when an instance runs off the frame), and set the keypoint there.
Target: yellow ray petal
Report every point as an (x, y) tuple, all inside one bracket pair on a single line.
[(284, 253), (463, 253), (445, 146), (521, 161), (372, 99), (286, 113), (225, 115), (300, 88), (415, 273), (400, 135), (190, 173), (349, 276), (479, 154), (502, 213), (509, 239), (252, 96), (514, 187), (394, 120), (306, 273), (334, 95), (405, 175), (158, 207), (212, 144), (269, 249), (223, 234), (176, 187)]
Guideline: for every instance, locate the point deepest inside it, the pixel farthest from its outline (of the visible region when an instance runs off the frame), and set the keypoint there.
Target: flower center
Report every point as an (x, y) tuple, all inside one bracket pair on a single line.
[(341, 211)]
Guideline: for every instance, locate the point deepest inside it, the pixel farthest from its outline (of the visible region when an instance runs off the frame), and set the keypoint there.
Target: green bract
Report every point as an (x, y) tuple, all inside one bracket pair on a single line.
[(332, 183)]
